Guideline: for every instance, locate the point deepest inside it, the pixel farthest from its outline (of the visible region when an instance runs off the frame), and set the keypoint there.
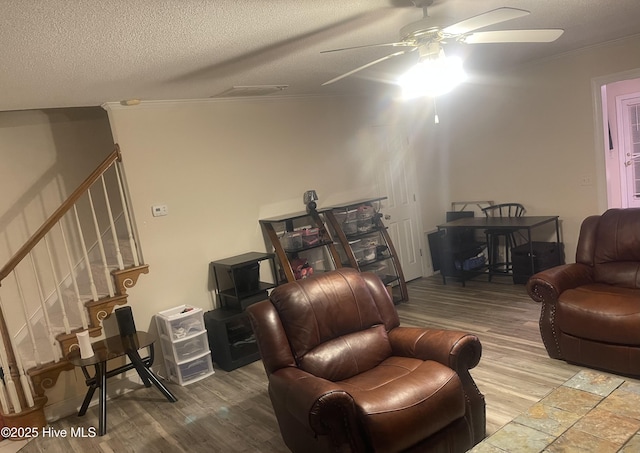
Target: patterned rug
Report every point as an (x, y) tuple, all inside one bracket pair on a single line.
[(591, 412)]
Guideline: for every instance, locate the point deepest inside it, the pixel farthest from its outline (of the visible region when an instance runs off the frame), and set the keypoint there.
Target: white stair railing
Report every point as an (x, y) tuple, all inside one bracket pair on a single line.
[(62, 265)]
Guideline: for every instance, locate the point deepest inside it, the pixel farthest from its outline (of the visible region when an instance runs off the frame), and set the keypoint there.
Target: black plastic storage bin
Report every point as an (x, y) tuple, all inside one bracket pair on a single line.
[(545, 256)]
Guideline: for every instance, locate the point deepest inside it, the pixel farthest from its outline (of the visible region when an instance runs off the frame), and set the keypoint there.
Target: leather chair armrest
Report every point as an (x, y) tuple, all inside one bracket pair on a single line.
[(459, 351), (546, 286), (315, 402)]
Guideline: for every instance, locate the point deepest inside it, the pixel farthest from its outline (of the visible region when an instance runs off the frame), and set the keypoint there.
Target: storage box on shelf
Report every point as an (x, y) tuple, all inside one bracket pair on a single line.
[(185, 347), (364, 242), (301, 243), (365, 250)]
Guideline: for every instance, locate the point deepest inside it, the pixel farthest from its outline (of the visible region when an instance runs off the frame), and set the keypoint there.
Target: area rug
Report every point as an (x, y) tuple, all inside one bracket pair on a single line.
[(591, 412)]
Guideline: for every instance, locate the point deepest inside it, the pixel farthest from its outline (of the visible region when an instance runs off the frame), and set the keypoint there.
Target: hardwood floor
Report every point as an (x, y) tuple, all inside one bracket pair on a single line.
[(231, 412), (515, 370)]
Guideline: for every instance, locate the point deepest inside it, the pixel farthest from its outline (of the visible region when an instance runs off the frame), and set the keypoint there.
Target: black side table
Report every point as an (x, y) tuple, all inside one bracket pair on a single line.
[(111, 348)]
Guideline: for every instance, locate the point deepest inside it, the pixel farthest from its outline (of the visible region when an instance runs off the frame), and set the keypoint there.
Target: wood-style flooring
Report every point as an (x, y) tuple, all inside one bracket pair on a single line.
[(231, 412)]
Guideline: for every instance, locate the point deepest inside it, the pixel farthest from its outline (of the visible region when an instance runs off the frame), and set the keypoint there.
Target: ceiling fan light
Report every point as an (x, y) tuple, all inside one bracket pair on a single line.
[(432, 77)]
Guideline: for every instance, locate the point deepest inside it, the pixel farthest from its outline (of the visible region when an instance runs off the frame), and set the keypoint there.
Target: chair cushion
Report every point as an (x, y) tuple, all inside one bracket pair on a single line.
[(601, 312), (404, 400), (348, 355)]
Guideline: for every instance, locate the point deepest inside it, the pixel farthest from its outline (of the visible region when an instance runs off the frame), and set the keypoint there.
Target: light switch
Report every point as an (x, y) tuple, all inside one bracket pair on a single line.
[(159, 210)]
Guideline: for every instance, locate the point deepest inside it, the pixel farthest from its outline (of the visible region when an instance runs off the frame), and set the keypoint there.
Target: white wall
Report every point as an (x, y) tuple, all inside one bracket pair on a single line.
[(220, 166), (45, 155), (528, 136)]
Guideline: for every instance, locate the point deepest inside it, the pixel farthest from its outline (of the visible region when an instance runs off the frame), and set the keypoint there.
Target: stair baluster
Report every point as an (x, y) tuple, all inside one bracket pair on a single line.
[(127, 218), (85, 255), (55, 348), (74, 281), (114, 233), (25, 312), (63, 309), (103, 255), (14, 398)]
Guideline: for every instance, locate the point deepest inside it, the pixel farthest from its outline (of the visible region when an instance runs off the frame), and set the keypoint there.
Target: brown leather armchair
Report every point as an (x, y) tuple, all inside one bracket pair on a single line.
[(344, 377), (591, 308)]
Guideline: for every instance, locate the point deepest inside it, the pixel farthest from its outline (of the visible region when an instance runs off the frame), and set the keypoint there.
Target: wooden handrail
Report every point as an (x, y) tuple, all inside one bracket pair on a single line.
[(59, 213)]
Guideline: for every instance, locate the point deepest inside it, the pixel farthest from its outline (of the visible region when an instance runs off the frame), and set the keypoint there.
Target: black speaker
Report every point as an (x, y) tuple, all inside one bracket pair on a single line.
[(125, 321)]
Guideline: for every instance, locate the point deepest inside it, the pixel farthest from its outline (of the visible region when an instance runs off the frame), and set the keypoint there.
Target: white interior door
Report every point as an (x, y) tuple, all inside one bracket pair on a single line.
[(629, 139), (396, 181)]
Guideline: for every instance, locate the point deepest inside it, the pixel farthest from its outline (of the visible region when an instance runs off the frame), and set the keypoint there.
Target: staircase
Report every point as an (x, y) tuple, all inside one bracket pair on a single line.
[(68, 277)]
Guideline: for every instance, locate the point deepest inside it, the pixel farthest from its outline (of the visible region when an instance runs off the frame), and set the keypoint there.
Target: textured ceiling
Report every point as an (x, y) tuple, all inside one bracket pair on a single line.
[(62, 53)]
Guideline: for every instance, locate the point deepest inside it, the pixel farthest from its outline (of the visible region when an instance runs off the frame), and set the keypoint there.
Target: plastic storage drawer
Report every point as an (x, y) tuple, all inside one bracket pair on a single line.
[(191, 371), (180, 322), (186, 348)]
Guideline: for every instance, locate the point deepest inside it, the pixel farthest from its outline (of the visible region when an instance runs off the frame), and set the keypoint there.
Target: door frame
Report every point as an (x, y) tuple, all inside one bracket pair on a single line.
[(622, 102), (600, 123)]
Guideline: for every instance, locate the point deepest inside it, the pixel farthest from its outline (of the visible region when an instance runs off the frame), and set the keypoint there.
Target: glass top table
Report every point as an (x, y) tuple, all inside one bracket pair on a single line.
[(108, 349)]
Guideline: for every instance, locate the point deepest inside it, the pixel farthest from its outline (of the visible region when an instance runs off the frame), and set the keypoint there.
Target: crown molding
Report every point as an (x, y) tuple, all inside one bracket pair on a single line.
[(111, 106)]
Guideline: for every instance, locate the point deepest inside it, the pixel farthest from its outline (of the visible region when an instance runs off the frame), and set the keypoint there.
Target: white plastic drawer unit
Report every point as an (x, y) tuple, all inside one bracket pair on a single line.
[(185, 348), (180, 322), (191, 371), (185, 344)]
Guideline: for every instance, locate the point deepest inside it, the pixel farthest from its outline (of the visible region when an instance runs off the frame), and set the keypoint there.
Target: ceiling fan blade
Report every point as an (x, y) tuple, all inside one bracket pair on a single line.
[(388, 44), (484, 20), (503, 36), (353, 71)]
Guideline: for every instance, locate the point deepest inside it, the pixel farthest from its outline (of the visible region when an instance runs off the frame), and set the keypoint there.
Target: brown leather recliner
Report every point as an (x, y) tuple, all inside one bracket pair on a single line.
[(343, 376), (591, 308)]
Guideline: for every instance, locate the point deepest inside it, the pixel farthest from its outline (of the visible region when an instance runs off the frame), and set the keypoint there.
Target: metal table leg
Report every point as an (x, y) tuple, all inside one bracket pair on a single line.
[(101, 374), (147, 375), (90, 391)]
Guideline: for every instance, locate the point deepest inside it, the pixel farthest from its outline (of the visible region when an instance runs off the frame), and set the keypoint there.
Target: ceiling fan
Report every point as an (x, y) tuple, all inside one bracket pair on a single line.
[(427, 35)]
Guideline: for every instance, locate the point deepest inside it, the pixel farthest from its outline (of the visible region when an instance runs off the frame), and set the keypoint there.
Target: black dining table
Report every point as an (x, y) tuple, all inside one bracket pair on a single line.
[(512, 224)]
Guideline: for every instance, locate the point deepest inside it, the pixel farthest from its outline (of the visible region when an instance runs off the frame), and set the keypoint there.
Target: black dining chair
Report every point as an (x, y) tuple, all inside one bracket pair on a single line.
[(496, 266)]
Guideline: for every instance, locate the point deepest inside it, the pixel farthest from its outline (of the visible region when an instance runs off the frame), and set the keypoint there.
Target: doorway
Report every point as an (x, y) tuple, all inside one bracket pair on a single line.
[(618, 118), (628, 119), (396, 180)]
